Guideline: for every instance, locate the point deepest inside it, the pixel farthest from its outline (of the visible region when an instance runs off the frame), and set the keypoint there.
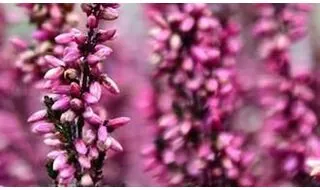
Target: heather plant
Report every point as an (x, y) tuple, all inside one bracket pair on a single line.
[(73, 123), (193, 95), (287, 98)]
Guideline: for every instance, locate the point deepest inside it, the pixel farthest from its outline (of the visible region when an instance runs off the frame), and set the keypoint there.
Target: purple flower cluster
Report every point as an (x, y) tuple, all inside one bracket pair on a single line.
[(290, 124), (193, 94), (50, 20), (73, 123)]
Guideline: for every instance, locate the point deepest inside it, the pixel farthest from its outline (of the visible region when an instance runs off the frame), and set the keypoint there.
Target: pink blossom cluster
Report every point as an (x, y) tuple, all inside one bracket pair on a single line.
[(50, 20), (73, 123), (193, 95), (290, 124)]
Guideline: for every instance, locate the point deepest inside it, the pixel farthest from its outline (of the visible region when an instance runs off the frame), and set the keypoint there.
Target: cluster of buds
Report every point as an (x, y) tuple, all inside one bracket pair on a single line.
[(193, 94), (73, 123), (50, 20), (290, 117)]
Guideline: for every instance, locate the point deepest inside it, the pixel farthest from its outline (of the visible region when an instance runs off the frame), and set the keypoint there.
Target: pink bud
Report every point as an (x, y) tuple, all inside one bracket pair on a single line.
[(60, 162), (86, 7), (168, 157), (117, 122), (93, 153), (64, 38), (42, 127), (92, 21), (19, 44), (199, 54), (103, 52), (84, 162), (61, 104), (66, 172), (54, 73), (91, 117), (54, 61), (54, 154), (61, 89), (52, 142), (102, 133), (37, 116), (81, 147), (212, 85), (115, 145), (93, 59), (75, 89), (106, 34), (89, 98), (187, 24), (89, 136), (148, 150), (76, 104), (95, 89), (185, 127), (40, 35), (71, 56), (110, 85), (68, 116), (109, 14), (86, 180)]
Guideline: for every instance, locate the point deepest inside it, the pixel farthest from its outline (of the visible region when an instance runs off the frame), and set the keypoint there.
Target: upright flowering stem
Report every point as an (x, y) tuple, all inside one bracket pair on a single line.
[(193, 95), (73, 123), (50, 20), (290, 119)]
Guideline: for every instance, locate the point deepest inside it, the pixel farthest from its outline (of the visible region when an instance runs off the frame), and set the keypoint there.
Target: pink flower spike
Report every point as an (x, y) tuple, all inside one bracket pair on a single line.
[(37, 116), (81, 147), (110, 85), (59, 162), (64, 38), (61, 104), (54, 61), (54, 73), (42, 127), (117, 122)]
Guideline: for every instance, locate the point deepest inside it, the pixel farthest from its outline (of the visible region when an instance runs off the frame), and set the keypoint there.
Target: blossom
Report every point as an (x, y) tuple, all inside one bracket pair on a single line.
[(193, 94), (287, 98), (51, 20), (81, 136)]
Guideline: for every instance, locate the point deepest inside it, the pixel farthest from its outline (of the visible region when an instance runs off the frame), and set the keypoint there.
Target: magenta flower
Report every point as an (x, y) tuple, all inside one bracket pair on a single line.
[(50, 20), (193, 94), (291, 121), (72, 126)]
